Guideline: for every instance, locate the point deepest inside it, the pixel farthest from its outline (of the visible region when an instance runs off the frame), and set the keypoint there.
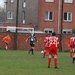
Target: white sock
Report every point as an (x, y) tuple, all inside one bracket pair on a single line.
[(6, 47)]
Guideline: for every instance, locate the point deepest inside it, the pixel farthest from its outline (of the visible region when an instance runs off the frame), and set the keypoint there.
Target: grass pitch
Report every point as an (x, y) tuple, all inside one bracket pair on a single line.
[(21, 63)]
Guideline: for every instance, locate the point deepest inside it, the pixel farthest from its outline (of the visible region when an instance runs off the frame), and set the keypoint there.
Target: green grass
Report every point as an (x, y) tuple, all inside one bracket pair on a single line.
[(21, 63)]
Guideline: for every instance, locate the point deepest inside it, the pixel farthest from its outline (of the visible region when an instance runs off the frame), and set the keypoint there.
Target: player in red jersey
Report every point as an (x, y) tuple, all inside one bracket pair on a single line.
[(72, 46), (46, 45), (53, 49), (73, 51)]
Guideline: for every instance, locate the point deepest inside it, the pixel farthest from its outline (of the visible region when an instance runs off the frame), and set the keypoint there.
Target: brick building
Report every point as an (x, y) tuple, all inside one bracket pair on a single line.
[(44, 15), (27, 13), (51, 16)]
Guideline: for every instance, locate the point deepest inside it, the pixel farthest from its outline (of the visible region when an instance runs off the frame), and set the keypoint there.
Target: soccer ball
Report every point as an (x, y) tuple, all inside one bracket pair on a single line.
[(42, 51)]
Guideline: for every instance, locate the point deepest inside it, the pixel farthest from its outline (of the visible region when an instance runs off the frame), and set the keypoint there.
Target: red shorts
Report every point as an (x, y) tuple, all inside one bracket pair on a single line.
[(71, 46), (6, 43), (46, 49), (53, 51)]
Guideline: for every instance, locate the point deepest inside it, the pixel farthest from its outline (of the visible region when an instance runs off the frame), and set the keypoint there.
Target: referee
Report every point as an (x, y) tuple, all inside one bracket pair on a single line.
[(32, 40)]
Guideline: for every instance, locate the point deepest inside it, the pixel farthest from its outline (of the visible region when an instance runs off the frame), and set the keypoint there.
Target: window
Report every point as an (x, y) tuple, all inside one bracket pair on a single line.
[(9, 15), (49, 15), (67, 31), (23, 17), (49, 0), (68, 16), (48, 30), (24, 3), (12, 1), (68, 1)]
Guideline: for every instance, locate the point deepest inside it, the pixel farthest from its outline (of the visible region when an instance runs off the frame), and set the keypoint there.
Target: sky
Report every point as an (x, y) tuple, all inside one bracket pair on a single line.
[(1, 3)]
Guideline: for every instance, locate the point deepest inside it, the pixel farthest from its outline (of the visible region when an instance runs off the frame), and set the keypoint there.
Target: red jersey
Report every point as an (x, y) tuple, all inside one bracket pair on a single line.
[(53, 45), (46, 41), (53, 41), (71, 42)]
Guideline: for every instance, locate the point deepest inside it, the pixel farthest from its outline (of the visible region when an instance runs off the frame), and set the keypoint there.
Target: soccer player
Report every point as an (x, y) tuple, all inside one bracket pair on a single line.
[(72, 46), (74, 52), (32, 39), (6, 40), (46, 45), (53, 49)]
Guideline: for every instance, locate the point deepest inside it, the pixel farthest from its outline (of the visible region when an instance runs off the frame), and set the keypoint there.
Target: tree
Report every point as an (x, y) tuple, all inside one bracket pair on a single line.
[(2, 14), (73, 31)]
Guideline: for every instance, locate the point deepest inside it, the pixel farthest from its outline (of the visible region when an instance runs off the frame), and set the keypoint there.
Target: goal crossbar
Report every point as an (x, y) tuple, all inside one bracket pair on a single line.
[(16, 27), (31, 30)]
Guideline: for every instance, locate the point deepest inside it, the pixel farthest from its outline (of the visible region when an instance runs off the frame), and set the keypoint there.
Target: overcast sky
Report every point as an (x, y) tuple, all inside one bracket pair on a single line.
[(1, 3)]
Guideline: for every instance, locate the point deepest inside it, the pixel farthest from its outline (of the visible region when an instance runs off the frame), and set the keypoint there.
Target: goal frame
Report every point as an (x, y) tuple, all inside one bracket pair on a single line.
[(31, 30)]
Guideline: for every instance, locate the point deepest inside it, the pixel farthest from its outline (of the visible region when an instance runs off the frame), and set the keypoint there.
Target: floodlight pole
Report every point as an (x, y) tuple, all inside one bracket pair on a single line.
[(61, 27), (16, 34)]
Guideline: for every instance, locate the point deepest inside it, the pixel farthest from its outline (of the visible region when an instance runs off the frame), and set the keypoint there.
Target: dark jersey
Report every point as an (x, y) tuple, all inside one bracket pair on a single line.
[(32, 39)]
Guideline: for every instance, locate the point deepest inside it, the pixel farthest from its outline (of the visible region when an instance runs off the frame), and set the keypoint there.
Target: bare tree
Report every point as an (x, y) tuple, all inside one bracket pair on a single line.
[(2, 14)]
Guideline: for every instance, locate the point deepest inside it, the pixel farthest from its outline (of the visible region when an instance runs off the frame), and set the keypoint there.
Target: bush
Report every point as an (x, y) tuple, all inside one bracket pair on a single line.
[(73, 31)]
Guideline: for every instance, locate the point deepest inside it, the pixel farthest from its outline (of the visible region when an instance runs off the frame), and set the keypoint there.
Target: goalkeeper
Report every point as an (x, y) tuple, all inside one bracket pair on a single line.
[(6, 40)]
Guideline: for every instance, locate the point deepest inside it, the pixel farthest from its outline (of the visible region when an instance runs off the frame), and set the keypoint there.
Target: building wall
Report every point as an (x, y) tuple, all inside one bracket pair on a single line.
[(54, 6), (31, 12), (48, 6), (12, 8), (23, 45), (35, 14), (69, 7)]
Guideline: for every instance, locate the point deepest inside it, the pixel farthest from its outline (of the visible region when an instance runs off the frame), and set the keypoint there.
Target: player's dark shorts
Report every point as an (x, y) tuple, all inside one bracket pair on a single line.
[(32, 45), (6, 43)]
